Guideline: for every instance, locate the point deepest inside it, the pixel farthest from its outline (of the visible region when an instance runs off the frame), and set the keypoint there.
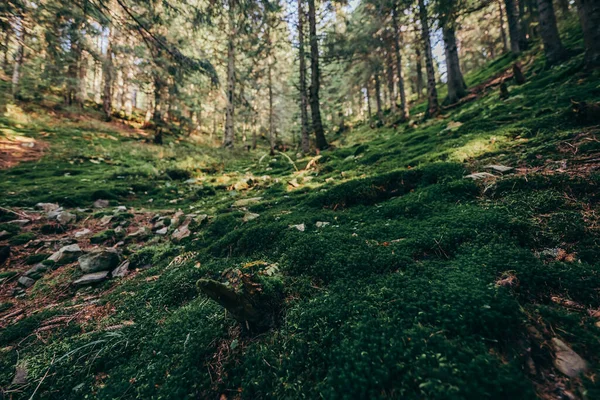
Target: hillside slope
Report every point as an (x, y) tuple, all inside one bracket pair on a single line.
[(378, 269)]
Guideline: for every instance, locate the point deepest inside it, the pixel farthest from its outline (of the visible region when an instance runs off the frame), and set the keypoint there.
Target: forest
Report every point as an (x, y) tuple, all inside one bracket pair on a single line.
[(300, 199)]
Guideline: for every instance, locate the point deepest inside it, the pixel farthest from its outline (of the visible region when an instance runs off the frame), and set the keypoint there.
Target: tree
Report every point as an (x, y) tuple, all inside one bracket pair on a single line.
[(589, 16), (553, 47), (433, 108), (305, 145), (315, 107), (456, 82), (404, 112), (513, 26)]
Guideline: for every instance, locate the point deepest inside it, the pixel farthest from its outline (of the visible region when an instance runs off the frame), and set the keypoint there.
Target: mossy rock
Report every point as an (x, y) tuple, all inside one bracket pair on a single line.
[(105, 236), (36, 258), (22, 238)]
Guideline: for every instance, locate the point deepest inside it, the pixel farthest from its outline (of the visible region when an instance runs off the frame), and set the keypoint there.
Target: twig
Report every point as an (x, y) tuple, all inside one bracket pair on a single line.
[(44, 377), (22, 214)]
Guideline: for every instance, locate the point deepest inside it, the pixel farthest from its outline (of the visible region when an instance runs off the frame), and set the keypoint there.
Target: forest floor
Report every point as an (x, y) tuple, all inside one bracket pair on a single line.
[(453, 258)]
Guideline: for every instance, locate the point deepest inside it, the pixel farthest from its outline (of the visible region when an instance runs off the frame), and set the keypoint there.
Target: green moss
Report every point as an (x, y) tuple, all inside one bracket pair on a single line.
[(22, 238), (36, 258)]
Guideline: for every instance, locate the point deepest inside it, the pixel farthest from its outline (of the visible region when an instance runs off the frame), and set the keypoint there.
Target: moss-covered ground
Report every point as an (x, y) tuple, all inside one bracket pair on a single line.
[(400, 277)]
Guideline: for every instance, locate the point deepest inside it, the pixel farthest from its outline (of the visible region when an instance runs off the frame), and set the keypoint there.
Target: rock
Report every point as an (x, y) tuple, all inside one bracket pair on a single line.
[(36, 271), (250, 216), (4, 234), (246, 202), (99, 260), (120, 209), (159, 224), (498, 168), (321, 224), (20, 377), (182, 232), (65, 218), (566, 360), (175, 220), (46, 207), (54, 213), (4, 254), (200, 218), (66, 254), (122, 270), (141, 232), (104, 236), (100, 203), (90, 279), (18, 292), (82, 233), (162, 231), (300, 227), (26, 282), (105, 220), (20, 222)]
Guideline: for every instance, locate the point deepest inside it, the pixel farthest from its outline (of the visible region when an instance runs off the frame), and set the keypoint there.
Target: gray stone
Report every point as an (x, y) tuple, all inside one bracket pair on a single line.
[(66, 254), (100, 203), (162, 231), (26, 282), (499, 168), (4, 234), (36, 271), (90, 279), (143, 231), (183, 231), (105, 220), (480, 176), (321, 224), (21, 374), (200, 218), (120, 209), (46, 207), (250, 216), (66, 217), (122, 270), (54, 213), (82, 233), (99, 260), (566, 360), (300, 227)]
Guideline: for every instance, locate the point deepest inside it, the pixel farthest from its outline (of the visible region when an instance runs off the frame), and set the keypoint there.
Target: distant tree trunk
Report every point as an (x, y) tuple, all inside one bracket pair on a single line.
[(305, 144), (126, 101), (107, 74), (271, 123), (6, 47), (149, 108), (589, 16), (315, 107), (456, 82), (433, 108), (419, 65), (369, 112), (397, 40), (390, 81), (83, 64), (524, 23), (513, 26), (553, 47), (378, 97), (564, 7), (502, 31), (159, 108), (19, 55), (229, 135)]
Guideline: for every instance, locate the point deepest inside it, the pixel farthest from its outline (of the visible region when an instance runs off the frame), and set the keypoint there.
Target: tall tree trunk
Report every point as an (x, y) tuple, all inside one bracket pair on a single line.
[(564, 7), (158, 118), (553, 47), (378, 97), (149, 108), (513, 26), (19, 55), (271, 122), (107, 74), (397, 41), (229, 135), (305, 144), (390, 82), (419, 65), (523, 26), (315, 107), (83, 66), (433, 108), (6, 47), (456, 82), (502, 31), (589, 16), (369, 112)]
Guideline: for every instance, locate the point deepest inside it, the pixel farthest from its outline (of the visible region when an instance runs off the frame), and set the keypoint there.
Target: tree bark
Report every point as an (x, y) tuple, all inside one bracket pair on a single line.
[(390, 82), (369, 112), (305, 144), (158, 118), (19, 55), (315, 108), (378, 97), (419, 65), (271, 122), (229, 135), (404, 112), (513, 26), (107, 73), (589, 16), (6, 47), (456, 82), (502, 31), (433, 108), (553, 47), (523, 25)]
